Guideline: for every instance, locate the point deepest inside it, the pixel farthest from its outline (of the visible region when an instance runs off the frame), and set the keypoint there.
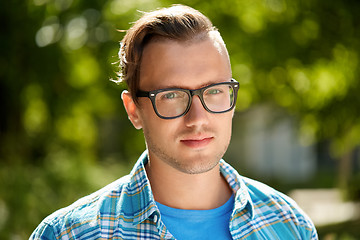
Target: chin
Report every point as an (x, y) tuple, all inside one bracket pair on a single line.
[(196, 164)]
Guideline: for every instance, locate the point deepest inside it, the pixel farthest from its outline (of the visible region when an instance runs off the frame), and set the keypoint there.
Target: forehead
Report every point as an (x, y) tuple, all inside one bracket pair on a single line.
[(190, 64)]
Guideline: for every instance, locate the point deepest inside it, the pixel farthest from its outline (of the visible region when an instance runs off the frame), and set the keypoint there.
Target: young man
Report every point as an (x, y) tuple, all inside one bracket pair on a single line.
[(182, 95)]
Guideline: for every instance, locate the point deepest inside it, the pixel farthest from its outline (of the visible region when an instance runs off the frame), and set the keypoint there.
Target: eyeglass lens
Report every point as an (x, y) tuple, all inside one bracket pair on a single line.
[(172, 103)]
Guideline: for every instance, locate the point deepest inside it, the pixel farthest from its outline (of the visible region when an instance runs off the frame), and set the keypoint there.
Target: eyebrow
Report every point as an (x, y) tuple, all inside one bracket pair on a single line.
[(181, 87)]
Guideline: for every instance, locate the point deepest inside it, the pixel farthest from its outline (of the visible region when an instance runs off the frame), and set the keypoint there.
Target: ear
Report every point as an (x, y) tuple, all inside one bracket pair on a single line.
[(131, 109)]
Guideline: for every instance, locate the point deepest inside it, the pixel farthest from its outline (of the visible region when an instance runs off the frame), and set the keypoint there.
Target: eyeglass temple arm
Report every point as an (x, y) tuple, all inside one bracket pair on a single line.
[(140, 93)]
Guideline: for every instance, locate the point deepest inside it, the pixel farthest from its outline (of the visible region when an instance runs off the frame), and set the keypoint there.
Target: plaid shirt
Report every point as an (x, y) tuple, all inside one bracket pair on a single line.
[(126, 209)]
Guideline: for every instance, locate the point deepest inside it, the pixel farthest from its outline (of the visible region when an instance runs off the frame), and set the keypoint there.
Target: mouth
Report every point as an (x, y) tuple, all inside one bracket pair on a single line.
[(197, 142)]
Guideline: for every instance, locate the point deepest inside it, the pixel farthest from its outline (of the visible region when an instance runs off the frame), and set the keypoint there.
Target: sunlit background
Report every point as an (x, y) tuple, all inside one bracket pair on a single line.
[(64, 132)]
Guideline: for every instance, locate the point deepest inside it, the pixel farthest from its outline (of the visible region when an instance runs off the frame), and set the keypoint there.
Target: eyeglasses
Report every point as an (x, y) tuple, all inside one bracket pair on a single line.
[(170, 103)]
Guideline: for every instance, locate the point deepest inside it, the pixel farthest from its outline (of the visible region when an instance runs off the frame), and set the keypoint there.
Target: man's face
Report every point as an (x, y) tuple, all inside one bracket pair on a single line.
[(193, 143)]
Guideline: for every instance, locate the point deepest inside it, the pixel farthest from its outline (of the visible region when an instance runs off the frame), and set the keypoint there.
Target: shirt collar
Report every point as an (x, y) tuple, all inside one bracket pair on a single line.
[(241, 191), (142, 199), (144, 205)]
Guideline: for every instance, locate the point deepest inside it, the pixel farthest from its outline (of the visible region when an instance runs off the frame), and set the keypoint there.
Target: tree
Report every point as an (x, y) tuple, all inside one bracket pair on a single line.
[(62, 124)]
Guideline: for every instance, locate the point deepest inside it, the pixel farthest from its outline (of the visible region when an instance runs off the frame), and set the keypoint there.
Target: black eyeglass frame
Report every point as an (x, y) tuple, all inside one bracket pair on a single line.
[(199, 92)]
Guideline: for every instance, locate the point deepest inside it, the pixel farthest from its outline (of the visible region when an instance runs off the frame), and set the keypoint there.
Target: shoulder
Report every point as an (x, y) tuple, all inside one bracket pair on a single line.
[(85, 213), (262, 192), (265, 198), (274, 206)]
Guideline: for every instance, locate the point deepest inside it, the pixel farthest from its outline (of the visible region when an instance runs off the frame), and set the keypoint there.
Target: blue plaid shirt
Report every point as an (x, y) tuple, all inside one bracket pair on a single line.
[(126, 209)]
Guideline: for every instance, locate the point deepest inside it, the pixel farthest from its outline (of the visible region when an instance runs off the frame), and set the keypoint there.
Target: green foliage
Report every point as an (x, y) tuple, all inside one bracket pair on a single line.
[(64, 132)]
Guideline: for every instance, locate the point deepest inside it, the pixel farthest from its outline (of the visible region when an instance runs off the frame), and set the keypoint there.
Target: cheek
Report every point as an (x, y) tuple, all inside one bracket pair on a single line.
[(226, 137), (225, 127), (157, 130)]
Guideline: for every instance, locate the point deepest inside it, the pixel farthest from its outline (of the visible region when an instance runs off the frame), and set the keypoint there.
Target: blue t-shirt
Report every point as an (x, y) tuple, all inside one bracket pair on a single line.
[(198, 224)]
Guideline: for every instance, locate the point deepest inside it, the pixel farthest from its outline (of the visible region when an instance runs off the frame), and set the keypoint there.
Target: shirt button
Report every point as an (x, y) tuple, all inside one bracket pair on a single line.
[(155, 218)]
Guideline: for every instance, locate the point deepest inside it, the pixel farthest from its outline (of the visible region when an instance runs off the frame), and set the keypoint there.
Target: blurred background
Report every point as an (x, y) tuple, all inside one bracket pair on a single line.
[(64, 132)]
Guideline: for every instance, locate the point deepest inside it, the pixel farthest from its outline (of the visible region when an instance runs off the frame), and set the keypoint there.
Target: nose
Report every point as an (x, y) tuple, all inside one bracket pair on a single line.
[(197, 115)]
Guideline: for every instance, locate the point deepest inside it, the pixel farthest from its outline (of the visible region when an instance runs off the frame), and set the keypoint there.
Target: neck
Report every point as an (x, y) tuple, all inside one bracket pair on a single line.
[(176, 189)]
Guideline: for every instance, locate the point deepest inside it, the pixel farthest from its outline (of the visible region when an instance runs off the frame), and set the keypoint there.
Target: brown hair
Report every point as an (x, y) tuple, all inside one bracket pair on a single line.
[(179, 23)]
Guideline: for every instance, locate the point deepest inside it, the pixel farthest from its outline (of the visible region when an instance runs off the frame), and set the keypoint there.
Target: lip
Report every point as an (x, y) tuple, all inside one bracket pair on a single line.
[(197, 142)]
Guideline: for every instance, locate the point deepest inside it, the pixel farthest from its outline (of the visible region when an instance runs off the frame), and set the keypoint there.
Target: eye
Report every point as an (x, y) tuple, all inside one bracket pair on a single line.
[(214, 91), (170, 95)]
